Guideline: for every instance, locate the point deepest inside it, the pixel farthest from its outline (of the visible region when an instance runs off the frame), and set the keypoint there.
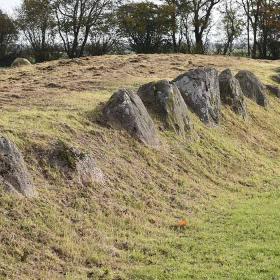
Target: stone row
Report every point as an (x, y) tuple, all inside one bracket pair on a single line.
[(168, 103)]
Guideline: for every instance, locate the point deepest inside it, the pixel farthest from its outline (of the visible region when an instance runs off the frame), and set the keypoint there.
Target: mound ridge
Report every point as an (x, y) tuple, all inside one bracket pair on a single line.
[(125, 228), (203, 91)]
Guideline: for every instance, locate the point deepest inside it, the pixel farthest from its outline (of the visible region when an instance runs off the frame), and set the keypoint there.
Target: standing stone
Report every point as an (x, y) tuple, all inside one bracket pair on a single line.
[(200, 90), (14, 176), (164, 100), (125, 110), (252, 87), (20, 62), (231, 93)]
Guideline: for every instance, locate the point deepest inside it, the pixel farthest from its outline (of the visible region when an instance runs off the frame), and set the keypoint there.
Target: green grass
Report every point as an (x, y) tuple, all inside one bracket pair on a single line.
[(224, 181), (237, 240)]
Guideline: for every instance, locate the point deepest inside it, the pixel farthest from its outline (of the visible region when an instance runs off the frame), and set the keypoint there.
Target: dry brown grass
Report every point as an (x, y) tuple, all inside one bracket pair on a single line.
[(38, 85)]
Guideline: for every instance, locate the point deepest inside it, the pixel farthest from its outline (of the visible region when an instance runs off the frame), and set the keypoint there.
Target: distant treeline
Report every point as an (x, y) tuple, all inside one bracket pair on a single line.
[(43, 30)]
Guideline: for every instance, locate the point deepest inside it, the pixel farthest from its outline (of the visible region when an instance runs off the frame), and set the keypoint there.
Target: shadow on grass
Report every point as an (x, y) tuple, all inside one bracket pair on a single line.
[(96, 115), (276, 77)]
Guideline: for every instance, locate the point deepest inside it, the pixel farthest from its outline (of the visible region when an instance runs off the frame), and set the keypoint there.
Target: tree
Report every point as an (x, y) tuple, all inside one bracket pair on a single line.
[(195, 15), (146, 25), (8, 34), (232, 25), (104, 38), (269, 27), (202, 12), (252, 10), (180, 12), (75, 21), (36, 20), (174, 26), (274, 27)]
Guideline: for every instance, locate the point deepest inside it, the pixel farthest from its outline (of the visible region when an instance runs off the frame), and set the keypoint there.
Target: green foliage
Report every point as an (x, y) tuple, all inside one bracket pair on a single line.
[(36, 19), (76, 20), (270, 29), (146, 25), (8, 34), (233, 26)]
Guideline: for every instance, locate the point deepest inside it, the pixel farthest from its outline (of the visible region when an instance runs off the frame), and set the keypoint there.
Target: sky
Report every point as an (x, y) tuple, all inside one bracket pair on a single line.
[(8, 5)]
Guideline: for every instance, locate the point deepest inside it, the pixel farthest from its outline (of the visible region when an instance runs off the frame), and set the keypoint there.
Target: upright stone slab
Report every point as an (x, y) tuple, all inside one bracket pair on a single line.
[(125, 110), (231, 93), (252, 87), (200, 90), (14, 176), (164, 100)]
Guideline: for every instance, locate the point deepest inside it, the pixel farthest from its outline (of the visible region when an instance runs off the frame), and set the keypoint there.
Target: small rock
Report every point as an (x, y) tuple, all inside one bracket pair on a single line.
[(125, 110), (200, 90), (14, 175), (231, 93), (87, 170), (18, 62), (164, 100), (252, 87)]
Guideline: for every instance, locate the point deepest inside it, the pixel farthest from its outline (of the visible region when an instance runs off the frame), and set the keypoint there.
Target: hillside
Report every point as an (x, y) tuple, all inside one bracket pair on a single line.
[(224, 181)]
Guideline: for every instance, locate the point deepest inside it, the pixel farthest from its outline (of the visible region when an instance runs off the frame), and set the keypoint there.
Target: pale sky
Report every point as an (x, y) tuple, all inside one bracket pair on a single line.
[(8, 5)]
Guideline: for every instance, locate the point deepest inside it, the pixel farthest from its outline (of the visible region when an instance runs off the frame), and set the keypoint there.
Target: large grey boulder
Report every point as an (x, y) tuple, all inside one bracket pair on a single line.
[(75, 165), (14, 176), (18, 62), (252, 87), (164, 100), (200, 90), (231, 93), (125, 110)]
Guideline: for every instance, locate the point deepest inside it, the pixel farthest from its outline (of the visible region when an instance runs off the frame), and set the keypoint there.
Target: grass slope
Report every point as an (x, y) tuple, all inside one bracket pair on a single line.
[(224, 181)]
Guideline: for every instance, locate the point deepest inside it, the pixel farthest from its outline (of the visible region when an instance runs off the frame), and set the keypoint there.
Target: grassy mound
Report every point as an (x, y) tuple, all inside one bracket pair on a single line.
[(224, 181)]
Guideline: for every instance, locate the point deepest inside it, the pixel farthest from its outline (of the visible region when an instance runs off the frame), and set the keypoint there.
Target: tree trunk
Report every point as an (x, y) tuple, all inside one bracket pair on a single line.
[(248, 33), (254, 49), (198, 43), (174, 42)]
